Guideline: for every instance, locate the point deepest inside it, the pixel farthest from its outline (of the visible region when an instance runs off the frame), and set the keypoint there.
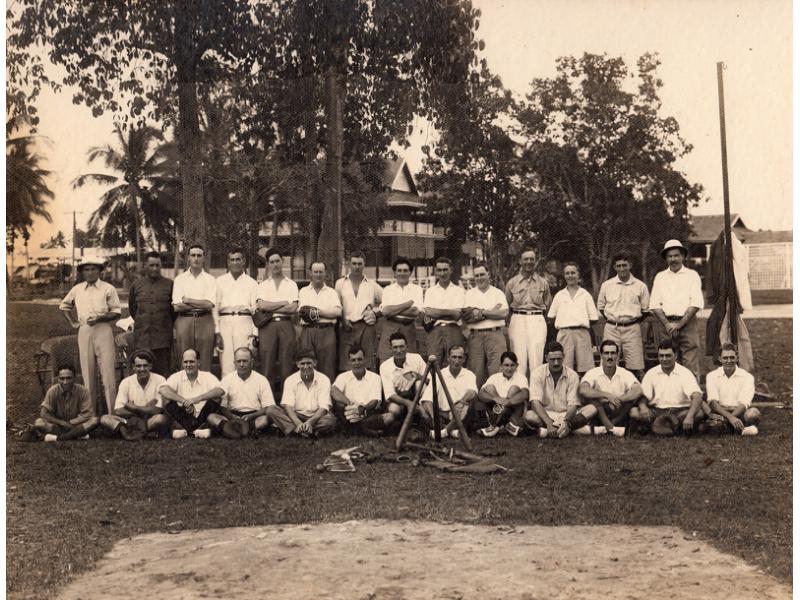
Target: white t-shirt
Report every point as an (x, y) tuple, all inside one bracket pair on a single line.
[(253, 393), (359, 391)]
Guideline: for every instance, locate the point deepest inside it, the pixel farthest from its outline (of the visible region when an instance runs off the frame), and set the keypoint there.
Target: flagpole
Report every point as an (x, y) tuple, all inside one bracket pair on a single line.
[(729, 276)]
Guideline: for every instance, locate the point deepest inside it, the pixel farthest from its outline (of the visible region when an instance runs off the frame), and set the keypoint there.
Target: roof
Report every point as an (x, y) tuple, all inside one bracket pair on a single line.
[(395, 198), (766, 237), (397, 175), (706, 228)]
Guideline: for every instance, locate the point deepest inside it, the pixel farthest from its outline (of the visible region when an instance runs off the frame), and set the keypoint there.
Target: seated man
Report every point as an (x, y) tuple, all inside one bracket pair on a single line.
[(356, 394), (67, 410), (730, 390), (610, 390), (463, 388), (248, 405), (555, 407), (400, 376), (190, 396), (671, 396), (502, 398), (307, 398), (138, 397)]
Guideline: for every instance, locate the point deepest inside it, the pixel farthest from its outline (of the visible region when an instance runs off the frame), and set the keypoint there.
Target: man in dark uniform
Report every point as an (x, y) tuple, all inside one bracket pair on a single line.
[(150, 303)]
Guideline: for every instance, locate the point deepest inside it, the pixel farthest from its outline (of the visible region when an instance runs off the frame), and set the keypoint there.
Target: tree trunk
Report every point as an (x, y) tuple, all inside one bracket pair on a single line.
[(330, 239), (312, 213), (138, 221), (188, 131), (254, 227), (177, 252)]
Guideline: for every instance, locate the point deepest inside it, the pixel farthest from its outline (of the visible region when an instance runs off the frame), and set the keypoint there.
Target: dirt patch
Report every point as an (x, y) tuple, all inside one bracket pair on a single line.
[(405, 560)]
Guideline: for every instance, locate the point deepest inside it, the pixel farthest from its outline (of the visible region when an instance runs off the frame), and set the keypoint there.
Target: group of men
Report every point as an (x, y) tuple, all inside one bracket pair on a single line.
[(377, 331)]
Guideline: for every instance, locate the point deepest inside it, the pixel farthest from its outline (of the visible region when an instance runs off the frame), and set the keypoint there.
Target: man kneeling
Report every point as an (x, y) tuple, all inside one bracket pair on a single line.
[(190, 396), (729, 391), (67, 410), (356, 395), (463, 388), (138, 400), (248, 405), (555, 407), (502, 398), (307, 398)]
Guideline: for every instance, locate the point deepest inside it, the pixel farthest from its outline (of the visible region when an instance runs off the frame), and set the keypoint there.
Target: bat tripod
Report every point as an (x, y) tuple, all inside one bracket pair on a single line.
[(432, 368)]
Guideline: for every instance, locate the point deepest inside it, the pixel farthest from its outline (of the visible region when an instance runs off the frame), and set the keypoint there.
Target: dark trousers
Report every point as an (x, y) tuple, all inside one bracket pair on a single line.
[(196, 333), (322, 340), (276, 341), (186, 419), (362, 335), (441, 338), (163, 364), (388, 327), (687, 340)]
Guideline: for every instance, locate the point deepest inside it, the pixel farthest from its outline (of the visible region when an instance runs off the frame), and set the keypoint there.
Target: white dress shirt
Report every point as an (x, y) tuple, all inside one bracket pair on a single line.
[(389, 371), (235, 295), (449, 298), (202, 287), (359, 391), (307, 400), (181, 384), (669, 391), (456, 385), (91, 300), (394, 294), (324, 299), (571, 311), (131, 392), (487, 300), (675, 292), (285, 291), (731, 391), (251, 394), (369, 294)]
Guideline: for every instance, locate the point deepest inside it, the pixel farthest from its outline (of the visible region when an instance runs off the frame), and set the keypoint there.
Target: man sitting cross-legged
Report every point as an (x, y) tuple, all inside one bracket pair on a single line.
[(502, 398), (671, 396), (248, 405), (555, 407), (729, 391), (463, 388), (610, 390), (190, 396), (400, 376), (138, 397), (67, 410), (307, 398), (356, 394)]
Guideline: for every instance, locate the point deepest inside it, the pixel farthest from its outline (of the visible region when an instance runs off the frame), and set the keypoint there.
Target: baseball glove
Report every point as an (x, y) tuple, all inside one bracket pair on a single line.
[(235, 429), (369, 315), (134, 429), (404, 385), (428, 323), (665, 424), (309, 314), (261, 318), (354, 413)]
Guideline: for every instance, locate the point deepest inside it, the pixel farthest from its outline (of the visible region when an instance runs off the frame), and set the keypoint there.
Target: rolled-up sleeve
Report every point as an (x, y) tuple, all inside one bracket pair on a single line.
[(696, 291)]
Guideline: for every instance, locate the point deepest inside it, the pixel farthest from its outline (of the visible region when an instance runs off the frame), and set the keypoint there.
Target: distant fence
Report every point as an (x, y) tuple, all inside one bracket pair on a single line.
[(770, 266)]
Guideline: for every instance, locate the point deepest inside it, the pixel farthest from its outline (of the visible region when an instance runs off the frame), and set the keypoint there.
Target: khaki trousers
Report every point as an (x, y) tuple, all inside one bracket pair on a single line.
[(484, 348), (98, 352)]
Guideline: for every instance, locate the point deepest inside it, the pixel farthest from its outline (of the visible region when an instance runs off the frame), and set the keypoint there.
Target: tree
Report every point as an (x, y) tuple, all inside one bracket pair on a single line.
[(605, 156), (137, 160), (27, 192), (55, 241)]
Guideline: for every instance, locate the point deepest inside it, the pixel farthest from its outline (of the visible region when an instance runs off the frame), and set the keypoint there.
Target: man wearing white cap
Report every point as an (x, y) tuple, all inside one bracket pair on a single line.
[(96, 304), (676, 298)]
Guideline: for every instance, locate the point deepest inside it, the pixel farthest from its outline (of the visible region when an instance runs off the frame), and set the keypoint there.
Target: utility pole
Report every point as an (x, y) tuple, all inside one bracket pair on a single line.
[(74, 273)]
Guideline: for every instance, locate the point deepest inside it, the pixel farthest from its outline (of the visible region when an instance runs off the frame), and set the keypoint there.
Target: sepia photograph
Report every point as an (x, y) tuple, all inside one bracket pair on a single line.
[(399, 299)]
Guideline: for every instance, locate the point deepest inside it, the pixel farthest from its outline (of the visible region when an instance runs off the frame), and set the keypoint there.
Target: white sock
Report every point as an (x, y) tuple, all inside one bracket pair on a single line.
[(585, 430), (750, 430)]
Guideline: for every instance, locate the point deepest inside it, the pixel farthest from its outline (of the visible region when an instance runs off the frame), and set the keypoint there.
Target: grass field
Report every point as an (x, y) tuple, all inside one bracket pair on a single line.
[(69, 503)]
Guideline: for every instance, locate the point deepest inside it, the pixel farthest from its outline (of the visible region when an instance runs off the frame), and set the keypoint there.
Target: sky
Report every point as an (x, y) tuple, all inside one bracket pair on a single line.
[(524, 38)]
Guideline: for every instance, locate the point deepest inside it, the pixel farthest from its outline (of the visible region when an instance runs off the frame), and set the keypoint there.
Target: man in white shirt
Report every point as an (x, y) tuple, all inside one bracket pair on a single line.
[(236, 300), (485, 315), (402, 302), (194, 294), (501, 401), (190, 396), (138, 397), (463, 390), (320, 307), (356, 395), (676, 298), (671, 396), (622, 301), (360, 298), (248, 405), (307, 398), (97, 306), (574, 312), (401, 376), (277, 299), (442, 307), (730, 390), (610, 390)]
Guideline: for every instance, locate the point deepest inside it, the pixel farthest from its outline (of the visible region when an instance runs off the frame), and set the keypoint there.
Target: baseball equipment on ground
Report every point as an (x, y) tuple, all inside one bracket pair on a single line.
[(665, 424), (133, 430), (235, 429)]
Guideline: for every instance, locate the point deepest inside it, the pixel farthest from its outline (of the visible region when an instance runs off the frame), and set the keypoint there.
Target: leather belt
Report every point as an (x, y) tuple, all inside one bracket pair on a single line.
[(279, 319), (318, 325), (241, 313), (400, 320), (518, 311), (195, 313), (674, 318), (446, 324), (625, 324), (486, 329), (573, 327)]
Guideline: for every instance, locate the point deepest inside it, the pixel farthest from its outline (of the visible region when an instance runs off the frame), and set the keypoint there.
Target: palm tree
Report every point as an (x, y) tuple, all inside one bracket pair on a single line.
[(131, 200)]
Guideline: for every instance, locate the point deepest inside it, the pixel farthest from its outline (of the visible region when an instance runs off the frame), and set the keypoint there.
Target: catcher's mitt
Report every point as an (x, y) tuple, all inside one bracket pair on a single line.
[(354, 413), (369, 315), (471, 315), (665, 424), (235, 429), (261, 318), (133, 430), (497, 415), (309, 314), (404, 385), (428, 323)]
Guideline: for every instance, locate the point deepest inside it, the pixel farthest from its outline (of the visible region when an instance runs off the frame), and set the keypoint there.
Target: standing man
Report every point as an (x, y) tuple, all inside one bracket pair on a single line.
[(676, 298), (150, 304), (356, 394), (360, 298), (485, 314), (611, 390), (442, 306), (190, 396), (319, 309), (97, 306), (671, 395), (193, 296), (730, 390), (276, 298), (463, 390), (402, 302), (621, 301), (528, 295), (307, 398), (235, 301), (138, 397)]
